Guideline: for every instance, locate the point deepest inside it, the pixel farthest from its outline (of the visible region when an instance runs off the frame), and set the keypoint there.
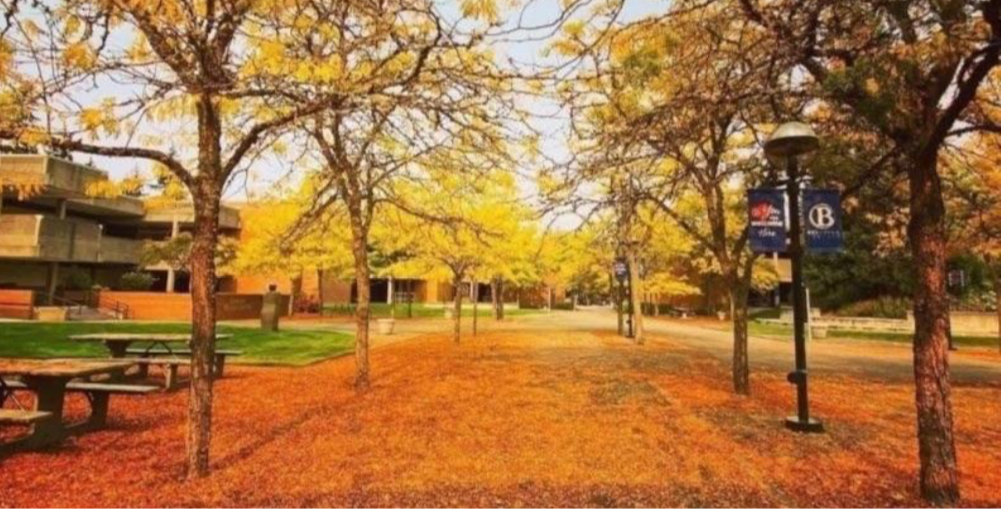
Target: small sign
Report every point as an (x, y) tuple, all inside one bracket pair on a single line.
[(957, 279), (766, 220), (822, 212), (621, 269)]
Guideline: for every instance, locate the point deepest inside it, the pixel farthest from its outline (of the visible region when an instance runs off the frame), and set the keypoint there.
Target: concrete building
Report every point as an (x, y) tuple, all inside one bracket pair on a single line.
[(51, 231), (55, 238)]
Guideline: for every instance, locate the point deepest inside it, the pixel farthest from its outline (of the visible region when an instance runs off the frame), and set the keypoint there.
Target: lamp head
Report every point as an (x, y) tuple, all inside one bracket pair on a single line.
[(791, 139)]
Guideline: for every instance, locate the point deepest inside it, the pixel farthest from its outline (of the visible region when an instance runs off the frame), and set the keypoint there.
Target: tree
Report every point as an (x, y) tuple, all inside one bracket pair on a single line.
[(672, 105), (406, 85), (907, 74), (182, 61), (460, 229), (276, 240), (973, 181)]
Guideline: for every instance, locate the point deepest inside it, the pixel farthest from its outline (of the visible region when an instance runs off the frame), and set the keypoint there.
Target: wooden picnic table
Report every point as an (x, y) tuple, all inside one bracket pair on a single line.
[(118, 343), (48, 379)]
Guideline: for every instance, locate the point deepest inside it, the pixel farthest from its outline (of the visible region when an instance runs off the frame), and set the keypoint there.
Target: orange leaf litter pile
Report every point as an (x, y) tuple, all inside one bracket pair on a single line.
[(515, 418)]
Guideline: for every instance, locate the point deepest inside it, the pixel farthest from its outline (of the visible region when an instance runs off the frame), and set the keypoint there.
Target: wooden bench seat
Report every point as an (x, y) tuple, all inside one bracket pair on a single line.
[(218, 366), (22, 417), (15, 384), (170, 369), (179, 351), (124, 389)]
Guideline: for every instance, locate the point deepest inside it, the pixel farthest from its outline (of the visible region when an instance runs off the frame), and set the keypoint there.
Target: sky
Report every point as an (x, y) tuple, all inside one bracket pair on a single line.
[(526, 48)]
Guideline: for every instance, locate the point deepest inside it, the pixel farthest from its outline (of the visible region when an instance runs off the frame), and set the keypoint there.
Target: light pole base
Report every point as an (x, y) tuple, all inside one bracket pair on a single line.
[(811, 426)]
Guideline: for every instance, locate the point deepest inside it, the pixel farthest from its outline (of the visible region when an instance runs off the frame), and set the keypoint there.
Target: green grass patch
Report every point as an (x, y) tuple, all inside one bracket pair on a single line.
[(420, 310), (775, 330), (291, 347)]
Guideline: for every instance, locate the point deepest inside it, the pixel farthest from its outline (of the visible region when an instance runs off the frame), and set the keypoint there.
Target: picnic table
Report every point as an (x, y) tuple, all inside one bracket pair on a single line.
[(118, 343), (49, 380), (167, 350)]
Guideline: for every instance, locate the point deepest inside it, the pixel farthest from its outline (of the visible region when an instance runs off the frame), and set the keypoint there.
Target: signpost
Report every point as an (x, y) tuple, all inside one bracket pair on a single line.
[(621, 270), (783, 148)]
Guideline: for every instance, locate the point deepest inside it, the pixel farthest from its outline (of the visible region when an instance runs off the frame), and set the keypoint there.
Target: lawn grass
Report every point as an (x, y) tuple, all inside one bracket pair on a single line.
[(288, 347), (421, 310), (776, 330)]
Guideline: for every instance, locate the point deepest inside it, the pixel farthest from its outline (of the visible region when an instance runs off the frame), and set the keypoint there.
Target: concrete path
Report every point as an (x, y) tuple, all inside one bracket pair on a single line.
[(877, 359)]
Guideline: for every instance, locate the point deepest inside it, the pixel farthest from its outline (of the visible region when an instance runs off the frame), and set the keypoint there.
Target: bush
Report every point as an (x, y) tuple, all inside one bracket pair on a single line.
[(136, 281), (883, 307), (77, 280)]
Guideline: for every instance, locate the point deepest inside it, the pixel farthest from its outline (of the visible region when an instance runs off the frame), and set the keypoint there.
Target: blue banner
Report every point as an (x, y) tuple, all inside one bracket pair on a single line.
[(822, 212), (766, 220)]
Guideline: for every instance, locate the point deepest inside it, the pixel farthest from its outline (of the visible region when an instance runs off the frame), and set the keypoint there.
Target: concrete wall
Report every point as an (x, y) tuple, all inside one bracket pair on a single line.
[(23, 275), (48, 238), (975, 323)]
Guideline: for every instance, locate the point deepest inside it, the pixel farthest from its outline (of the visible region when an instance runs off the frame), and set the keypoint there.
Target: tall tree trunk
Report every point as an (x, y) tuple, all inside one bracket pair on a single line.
[(497, 290), (206, 191), (997, 301), (296, 293), (456, 307), (363, 285), (939, 476), (319, 288), (617, 296), (635, 294), (475, 291), (203, 326), (738, 315)]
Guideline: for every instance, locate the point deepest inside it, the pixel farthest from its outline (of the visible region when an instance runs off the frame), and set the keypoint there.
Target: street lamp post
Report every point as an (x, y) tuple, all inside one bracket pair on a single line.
[(786, 144)]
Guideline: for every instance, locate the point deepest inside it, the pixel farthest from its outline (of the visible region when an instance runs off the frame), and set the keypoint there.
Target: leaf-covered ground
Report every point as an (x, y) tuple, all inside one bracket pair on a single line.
[(515, 418)]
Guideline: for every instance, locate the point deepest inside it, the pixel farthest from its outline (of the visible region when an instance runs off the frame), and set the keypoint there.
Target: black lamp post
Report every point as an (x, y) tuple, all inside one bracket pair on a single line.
[(784, 147)]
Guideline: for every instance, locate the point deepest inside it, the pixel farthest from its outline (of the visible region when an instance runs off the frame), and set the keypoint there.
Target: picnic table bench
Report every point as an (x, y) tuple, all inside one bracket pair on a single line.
[(162, 350), (50, 380)]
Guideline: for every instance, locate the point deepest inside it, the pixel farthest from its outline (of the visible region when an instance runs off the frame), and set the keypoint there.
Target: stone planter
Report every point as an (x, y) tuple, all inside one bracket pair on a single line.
[(721, 315), (385, 325), (51, 314), (818, 331)]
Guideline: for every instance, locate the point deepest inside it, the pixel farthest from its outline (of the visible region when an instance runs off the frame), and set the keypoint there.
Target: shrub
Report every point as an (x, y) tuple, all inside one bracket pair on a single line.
[(136, 281), (77, 280), (883, 307)]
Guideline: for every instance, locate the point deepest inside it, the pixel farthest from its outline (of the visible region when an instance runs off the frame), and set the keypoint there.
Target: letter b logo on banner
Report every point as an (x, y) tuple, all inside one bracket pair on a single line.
[(823, 220)]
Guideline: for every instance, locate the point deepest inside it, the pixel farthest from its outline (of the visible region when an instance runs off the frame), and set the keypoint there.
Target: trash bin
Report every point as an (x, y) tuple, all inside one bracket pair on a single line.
[(269, 309)]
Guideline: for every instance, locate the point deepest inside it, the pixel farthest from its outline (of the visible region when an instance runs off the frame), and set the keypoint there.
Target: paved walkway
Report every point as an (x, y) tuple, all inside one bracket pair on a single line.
[(878, 359)]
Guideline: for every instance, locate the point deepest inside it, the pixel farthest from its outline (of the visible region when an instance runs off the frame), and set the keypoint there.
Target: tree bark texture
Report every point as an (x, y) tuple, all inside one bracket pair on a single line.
[(997, 302), (936, 445), (206, 194), (475, 291), (363, 285), (456, 307), (635, 294), (739, 288)]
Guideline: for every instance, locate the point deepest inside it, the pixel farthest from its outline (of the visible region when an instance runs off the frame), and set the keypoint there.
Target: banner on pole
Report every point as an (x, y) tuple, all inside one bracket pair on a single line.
[(621, 269), (822, 208), (766, 220)]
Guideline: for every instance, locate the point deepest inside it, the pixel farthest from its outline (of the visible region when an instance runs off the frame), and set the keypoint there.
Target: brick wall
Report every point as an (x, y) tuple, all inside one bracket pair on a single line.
[(177, 306), (16, 304)]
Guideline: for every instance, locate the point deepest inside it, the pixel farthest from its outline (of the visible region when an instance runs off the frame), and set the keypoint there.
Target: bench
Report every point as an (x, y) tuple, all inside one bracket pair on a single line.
[(170, 369), (98, 394), (22, 417), (217, 367)]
